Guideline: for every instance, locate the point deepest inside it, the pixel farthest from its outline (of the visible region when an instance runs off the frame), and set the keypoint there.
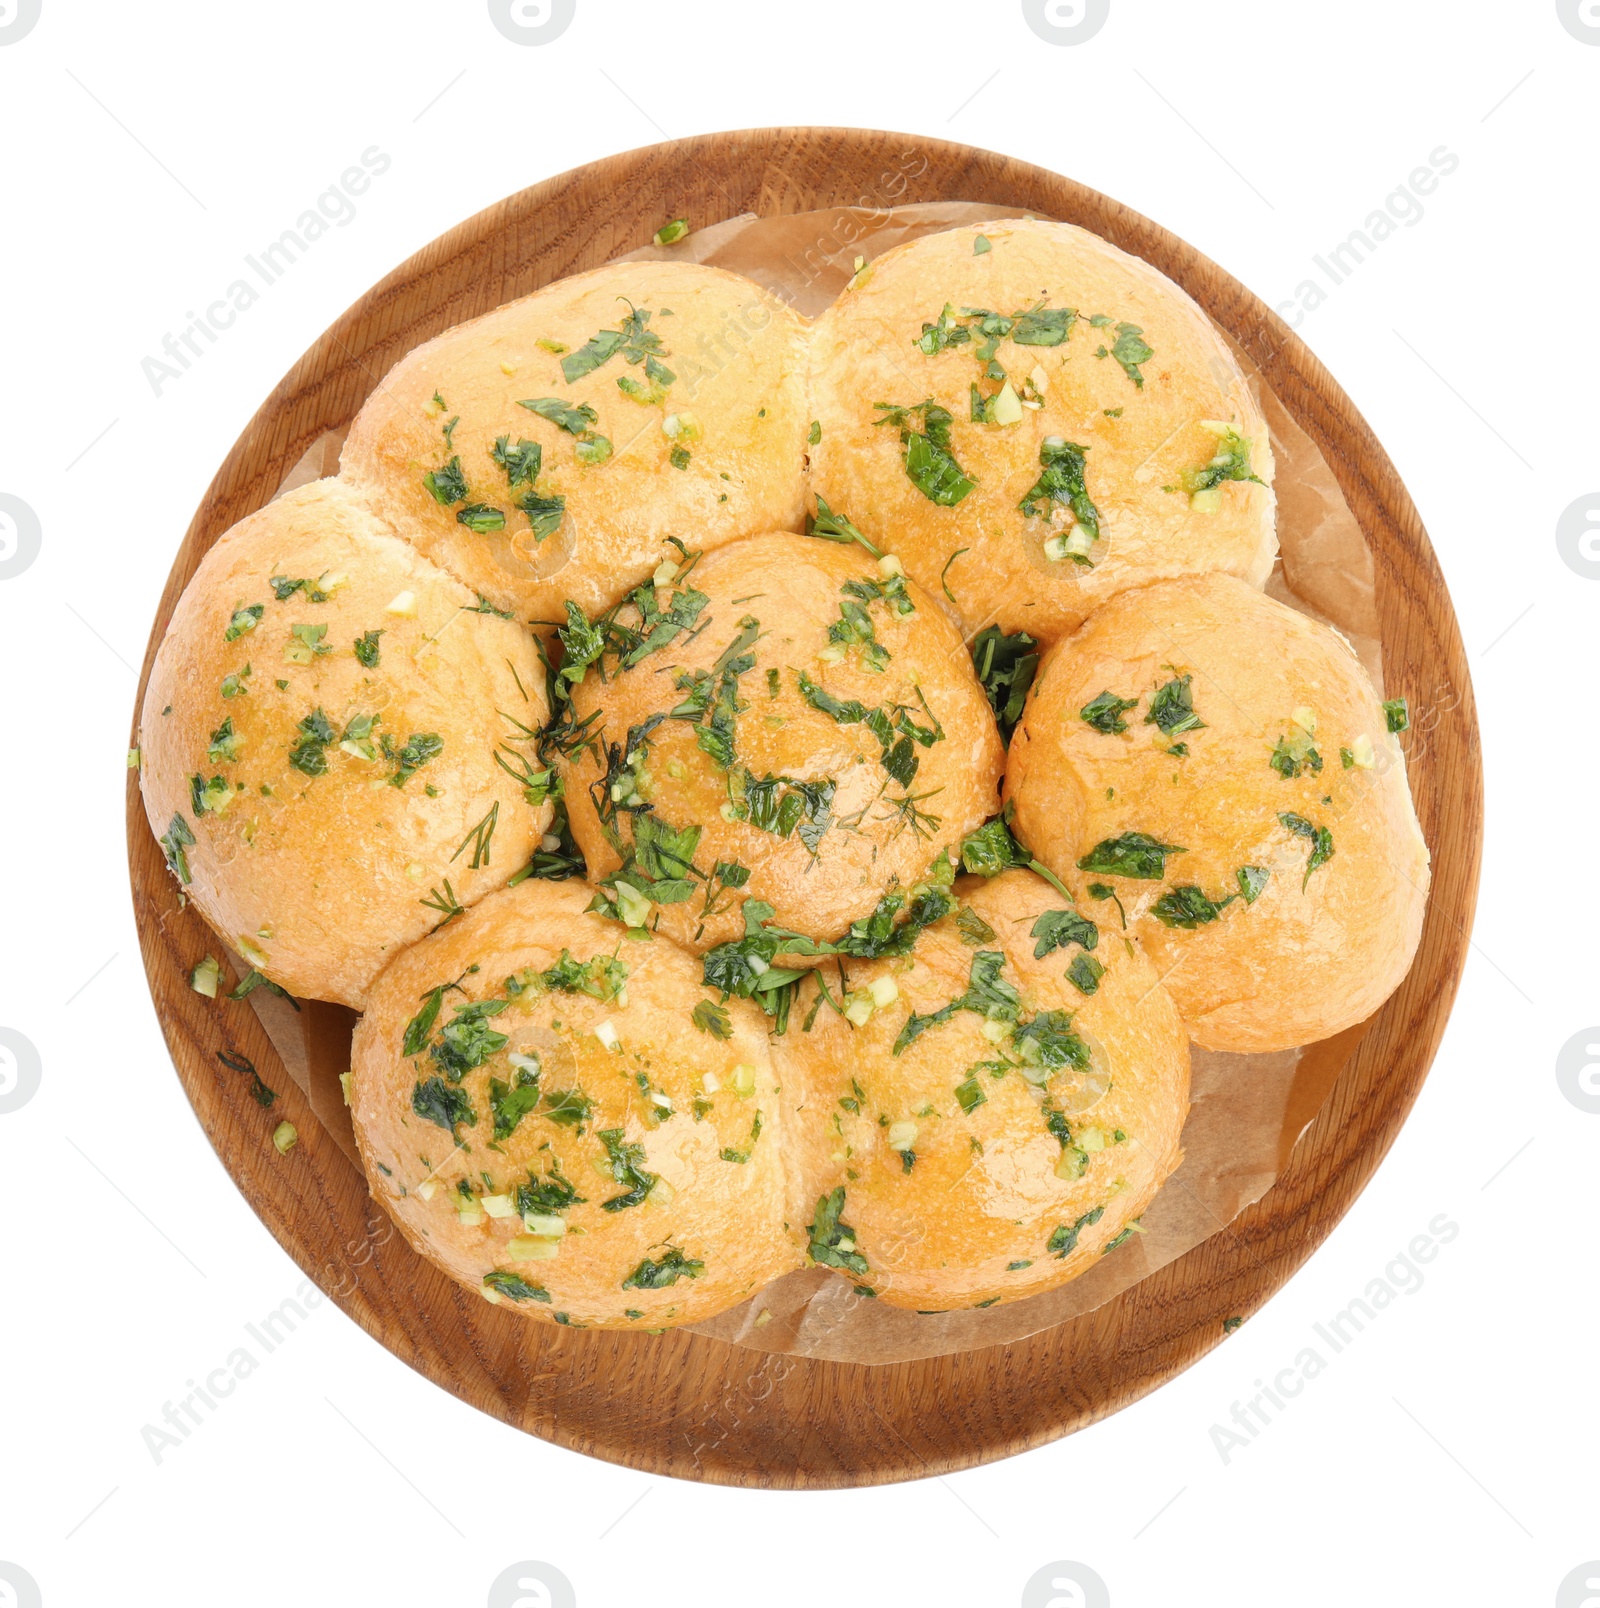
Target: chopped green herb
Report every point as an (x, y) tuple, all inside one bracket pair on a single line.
[(1172, 708), (1251, 879), (244, 620), (481, 518), (1188, 907), (511, 1102), (1005, 666), (833, 1241), (447, 485), (1085, 973), (1062, 484), (435, 1100), (1320, 839), (837, 527), (1105, 711), (929, 463), (1055, 929), (514, 1285), (1065, 1240), (814, 434), (627, 1167), (1135, 854), (981, 244), (1130, 351), (367, 649), (712, 1018), (1231, 461), (1397, 714), (657, 1275)]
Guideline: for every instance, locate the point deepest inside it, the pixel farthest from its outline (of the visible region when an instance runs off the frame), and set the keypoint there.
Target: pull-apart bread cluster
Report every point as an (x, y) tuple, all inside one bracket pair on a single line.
[(624, 732)]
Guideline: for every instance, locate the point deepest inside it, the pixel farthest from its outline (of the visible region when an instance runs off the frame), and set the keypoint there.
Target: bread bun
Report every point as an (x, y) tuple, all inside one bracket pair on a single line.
[(652, 347), (322, 742), (986, 1156), (1277, 875), (542, 1120), (1145, 395), (815, 724)]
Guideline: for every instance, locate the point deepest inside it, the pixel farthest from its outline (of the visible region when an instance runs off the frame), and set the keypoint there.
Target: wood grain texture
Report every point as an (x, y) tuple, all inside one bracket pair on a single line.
[(681, 1404)]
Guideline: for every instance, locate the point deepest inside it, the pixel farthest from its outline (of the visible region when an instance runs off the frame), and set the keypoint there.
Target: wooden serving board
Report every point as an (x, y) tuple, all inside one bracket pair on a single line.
[(683, 1404)]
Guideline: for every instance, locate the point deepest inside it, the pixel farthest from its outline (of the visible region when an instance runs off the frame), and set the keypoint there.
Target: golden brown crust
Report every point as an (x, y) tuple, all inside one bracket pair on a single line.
[(972, 1220), (712, 1208), (792, 587), (1312, 954), (1141, 439), (738, 357), (318, 879)]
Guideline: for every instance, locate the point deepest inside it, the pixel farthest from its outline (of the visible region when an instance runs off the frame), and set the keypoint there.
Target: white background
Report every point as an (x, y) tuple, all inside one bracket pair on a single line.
[(1448, 1454)]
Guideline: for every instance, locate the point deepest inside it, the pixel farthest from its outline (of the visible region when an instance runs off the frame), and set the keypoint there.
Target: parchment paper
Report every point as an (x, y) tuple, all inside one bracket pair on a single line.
[(1247, 1112)]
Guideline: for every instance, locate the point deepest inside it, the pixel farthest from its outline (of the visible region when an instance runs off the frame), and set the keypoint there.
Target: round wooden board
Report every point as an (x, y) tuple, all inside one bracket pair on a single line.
[(678, 1403)]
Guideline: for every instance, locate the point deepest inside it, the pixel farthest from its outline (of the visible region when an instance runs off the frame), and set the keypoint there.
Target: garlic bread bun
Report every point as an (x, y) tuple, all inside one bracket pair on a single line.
[(670, 400), (539, 1114), (328, 740), (789, 726), (993, 1111), (1222, 766), (1112, 406)]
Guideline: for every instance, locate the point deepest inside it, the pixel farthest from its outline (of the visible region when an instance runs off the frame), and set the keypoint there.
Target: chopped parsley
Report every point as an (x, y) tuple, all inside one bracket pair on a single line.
[(1397, 714), (244, 620), (309, 755), (929, 463), (1188, 907), (1065, 1240), (1294, 755), (1172, 708), (1136, 855), (833, 1241), (1062, 484), (627, 1168), (837, 527), (657, 1275), (1085, 973), (515, 1286), (511, 1102), (1005, 665), (174, 841), (1231, 461), (1055, 929), (435, 1100), (576, 421), (631, 339), (521, 462), (446, 486), (416, 752), (1130, 350), (549, 1196), (712, 1018), (1251, 879), (1105, 711), (224, 745), (1320, 839), (367, 649)]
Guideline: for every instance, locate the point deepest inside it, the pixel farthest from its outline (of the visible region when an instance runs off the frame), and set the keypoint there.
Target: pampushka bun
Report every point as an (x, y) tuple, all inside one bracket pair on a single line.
[(995, 1110), (1220, 769), (333, 735), (1120, 443), (541, 1115), (813, 726), (684, 415)]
